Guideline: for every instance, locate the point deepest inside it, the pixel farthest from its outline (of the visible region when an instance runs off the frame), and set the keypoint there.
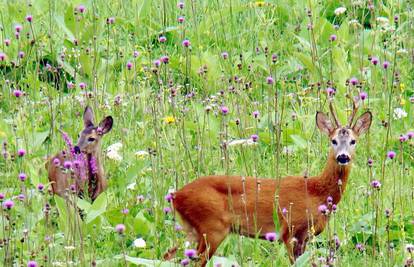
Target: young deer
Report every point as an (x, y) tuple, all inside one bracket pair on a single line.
[(82, 164), (211, 207)]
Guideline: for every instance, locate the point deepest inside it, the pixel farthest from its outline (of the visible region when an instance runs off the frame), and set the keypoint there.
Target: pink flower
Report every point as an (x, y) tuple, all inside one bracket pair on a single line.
[(271, 236), (186, 43), (120, 228)]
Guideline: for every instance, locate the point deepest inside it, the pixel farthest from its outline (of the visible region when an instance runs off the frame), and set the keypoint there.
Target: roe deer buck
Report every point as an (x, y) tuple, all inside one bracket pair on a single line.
[(82, 163), (213, 206)]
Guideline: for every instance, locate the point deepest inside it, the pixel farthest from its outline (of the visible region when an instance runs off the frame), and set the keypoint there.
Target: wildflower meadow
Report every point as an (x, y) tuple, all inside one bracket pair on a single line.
[(161, 92)]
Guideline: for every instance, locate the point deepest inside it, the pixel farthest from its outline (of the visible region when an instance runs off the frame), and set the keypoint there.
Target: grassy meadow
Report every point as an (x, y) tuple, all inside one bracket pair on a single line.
[(199, 88)]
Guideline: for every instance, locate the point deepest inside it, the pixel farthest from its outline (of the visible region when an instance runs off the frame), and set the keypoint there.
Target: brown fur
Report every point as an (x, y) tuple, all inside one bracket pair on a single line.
[(213, 206)]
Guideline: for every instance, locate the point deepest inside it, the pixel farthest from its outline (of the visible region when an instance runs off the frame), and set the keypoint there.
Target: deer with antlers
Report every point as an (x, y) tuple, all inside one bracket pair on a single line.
[(81, 165), (211, 207)]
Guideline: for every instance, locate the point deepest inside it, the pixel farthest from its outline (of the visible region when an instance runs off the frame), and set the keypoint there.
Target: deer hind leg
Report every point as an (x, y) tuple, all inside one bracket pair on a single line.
[(210, 239)]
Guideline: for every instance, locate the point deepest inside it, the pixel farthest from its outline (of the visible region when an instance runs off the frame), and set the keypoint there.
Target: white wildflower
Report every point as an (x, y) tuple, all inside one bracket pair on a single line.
[(115, 147), (131, 186), (354, 23), (399, 113), (340, 10), (114, 155), (241, 142), (140, 243), (141, 153), (383, 21)]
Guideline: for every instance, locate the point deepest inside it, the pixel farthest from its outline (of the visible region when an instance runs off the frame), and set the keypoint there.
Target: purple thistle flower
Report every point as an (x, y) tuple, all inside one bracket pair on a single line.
[(7, 42), (40, 187), (110, 20), (370, 162), (374, 61), (56, 162), (129, 65), (136, 54), (165, 59), (190, 253), (157, 63), (334, 208), (185, 262), (270, 80), (271, 236), (1, 196), (360, 247), (32, 264), (323, 209), (140, 198), (67, 164), (29, 18), (21, 197), (256, 114), (409, 248), (353, 81), (82, 85), (391, 154), (22, 176), (8, 204), (254, 137), (225, 55), (410, 135), (70, 85), (18, 28), (125, 211), (180, 19), (274, 58), (363, 95), (186, 43), (21, 152), (162, 39), (169, 197), (17, 93), (330, 91), (2, 56), (332, 38), (167, 210), (386, 64), (329, 200), (403, 138), (224, 110), (120, 228), (21, 54), (284, 211), (81, 8), (17, 35), (178, 227), (376, 184), (180, 5)]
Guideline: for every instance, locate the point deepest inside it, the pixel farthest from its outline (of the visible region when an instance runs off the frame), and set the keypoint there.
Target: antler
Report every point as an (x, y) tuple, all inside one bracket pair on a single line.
[(331, 108), (355, 106)]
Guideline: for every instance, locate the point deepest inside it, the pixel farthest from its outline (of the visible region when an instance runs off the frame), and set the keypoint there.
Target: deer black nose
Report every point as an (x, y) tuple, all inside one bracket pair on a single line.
[(343, 159), (77, 150)]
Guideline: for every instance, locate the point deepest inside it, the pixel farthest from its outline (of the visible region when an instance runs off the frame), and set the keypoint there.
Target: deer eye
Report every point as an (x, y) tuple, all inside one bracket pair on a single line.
[(91, 139), (334, 142), (353, 142)]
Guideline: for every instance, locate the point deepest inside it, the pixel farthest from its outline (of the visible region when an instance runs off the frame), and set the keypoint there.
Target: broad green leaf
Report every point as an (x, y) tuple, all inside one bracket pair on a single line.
[(98, 208)]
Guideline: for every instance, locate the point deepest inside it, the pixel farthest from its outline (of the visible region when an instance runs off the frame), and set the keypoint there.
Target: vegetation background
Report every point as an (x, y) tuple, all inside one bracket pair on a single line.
[(188, 84)]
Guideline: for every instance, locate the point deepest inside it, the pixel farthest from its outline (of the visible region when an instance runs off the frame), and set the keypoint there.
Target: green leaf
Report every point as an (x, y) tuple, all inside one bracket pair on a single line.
[(63, 215), (98, 208), (144, 262), (303, 260), (39, 138), (142, 226)]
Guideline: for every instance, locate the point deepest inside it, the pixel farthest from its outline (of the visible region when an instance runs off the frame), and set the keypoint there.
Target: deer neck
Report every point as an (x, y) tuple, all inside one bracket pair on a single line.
[(333, 179)]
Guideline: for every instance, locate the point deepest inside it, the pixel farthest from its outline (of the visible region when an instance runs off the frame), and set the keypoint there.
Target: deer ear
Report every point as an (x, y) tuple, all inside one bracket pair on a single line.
[(363, 123), (88, 117), (324, 123), (106, 125)]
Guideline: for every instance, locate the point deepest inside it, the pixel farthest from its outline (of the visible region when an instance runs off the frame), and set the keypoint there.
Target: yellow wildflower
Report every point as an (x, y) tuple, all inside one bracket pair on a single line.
[(2, 134), (169, 119), (402, 102), (402, 87), (260, 3)]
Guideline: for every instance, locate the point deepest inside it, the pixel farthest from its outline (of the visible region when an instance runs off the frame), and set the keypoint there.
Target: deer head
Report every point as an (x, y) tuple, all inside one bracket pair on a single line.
[(343, 138), (91, 135)]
